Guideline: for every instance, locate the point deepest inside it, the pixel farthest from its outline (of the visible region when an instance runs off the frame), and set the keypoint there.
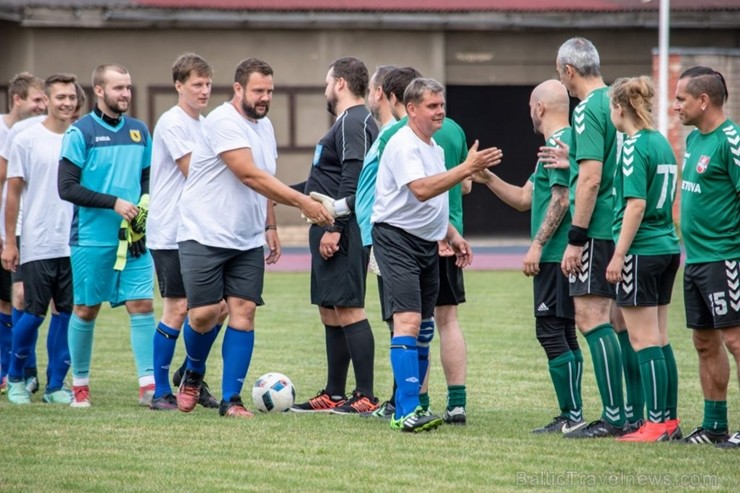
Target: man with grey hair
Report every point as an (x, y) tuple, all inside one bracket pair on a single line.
[(410, 215), (593, 154)]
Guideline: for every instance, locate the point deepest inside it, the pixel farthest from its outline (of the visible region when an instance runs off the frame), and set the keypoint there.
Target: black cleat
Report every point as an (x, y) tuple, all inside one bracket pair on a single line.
[(732, 442), (703, 436), (599, 429), (561, 424)]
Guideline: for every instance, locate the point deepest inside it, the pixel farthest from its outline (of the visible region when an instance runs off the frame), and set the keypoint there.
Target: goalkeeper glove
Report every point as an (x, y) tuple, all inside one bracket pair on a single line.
[(138, 224), (337, 208)]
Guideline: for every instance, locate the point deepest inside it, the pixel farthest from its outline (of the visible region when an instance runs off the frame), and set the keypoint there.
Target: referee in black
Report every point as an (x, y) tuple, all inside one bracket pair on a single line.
[(338, 258)]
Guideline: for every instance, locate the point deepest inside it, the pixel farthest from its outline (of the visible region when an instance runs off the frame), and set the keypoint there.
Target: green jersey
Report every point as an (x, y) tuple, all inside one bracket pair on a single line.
[(543, 179), (647, 170), (451, 138), (710, 205), (595, 138)]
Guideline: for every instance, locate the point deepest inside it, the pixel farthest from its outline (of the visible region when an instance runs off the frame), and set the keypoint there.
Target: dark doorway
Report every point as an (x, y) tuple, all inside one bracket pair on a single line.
[(496, 116)]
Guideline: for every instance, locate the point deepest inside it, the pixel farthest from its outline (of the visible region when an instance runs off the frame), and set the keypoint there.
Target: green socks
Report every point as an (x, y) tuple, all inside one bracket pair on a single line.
[(607, 360), (564, 374), (671, 396), (456, 396), (424, 401), (715, 416), (634, 397), (654, 381)]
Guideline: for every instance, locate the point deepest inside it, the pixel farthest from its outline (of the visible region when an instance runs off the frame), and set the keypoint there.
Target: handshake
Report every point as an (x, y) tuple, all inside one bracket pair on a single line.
[(336, 208)]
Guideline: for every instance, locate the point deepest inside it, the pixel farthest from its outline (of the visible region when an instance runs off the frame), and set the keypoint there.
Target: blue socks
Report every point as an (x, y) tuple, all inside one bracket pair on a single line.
[(25, 331), (405, 363), (142, 328), (59, 359), (80, 338), (165, 339), (236, 351), (198, 346), (6, 342)]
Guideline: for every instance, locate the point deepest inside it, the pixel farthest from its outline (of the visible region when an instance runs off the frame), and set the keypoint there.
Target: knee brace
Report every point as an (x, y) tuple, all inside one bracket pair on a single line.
[(551, 334)]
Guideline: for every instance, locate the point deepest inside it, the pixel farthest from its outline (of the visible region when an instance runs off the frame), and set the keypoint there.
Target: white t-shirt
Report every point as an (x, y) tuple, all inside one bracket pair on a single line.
[(407, 158), (34, 156), (216, 209), (16, 129), (175, 135)]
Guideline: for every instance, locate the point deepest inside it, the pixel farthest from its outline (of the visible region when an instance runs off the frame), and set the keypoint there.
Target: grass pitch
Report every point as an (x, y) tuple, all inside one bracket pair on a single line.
[(118, 446)]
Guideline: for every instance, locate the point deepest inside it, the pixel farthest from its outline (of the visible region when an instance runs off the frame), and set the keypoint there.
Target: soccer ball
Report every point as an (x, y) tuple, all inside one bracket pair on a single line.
[(273, 393)]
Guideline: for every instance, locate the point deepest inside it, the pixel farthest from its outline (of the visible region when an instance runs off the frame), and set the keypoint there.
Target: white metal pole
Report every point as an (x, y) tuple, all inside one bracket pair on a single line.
[(663, 47)]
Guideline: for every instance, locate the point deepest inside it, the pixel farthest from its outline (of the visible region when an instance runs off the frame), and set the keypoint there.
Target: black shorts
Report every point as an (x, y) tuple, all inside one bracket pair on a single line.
[(340, 280), (592, 279), (45, 280), (712, 294), (551, 297), (410, 270), (451, 283), (211, 274), (647, 280), (169, 274), (17, 276), (6, 284)]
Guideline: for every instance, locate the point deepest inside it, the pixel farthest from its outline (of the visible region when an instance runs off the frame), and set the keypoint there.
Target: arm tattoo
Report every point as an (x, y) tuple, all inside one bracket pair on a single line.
[(555, 212)]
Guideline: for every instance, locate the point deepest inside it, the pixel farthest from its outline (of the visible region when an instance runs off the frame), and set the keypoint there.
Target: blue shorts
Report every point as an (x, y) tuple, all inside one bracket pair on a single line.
[(95, 280)]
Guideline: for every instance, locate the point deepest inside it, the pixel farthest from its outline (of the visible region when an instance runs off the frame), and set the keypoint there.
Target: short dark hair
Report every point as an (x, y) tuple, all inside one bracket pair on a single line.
[(59, 78), (97, 77), (354, 72), (21, 83), (248, 67), (397, 80), (705, 80), (187, 63)]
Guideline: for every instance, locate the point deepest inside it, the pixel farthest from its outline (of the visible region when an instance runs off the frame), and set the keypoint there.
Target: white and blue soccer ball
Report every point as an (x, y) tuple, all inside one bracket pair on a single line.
[(273, 393)]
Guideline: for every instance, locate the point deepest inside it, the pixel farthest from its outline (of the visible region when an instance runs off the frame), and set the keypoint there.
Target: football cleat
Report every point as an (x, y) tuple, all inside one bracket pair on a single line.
[(234, 408), (648, 432), (357, 404), (206, 399), (61, 396), (455, 416), (189, 392), (18, 393), (146, 394), (32, 384), (322, 403), (673, 431), (702, 436), (167, 402), (561, 424), (732, 442), (598, 429), (383, 411), (419, 420), (81, 396)]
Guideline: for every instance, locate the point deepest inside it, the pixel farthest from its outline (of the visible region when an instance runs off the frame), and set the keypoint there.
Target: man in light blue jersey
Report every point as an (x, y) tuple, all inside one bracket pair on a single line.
[(104, 172)]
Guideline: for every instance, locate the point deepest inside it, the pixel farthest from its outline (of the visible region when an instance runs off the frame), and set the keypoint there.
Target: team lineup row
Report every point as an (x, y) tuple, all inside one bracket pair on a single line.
[(385, 189)]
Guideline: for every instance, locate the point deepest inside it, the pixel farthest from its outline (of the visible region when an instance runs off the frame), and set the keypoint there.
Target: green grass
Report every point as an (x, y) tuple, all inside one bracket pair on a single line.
[(118, 446)]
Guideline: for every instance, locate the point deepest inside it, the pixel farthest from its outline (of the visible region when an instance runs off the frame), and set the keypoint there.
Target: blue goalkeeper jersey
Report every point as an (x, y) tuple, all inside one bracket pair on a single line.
[(112, 160)]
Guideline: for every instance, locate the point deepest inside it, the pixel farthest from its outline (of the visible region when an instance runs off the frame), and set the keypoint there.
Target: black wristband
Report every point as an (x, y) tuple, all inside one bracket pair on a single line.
[(577, 236), (270, 226)]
